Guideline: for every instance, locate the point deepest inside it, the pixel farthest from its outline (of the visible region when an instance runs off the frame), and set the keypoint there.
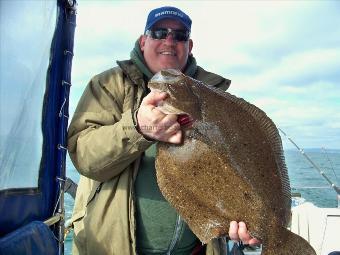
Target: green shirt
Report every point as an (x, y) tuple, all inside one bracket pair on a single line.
[(160, 230)]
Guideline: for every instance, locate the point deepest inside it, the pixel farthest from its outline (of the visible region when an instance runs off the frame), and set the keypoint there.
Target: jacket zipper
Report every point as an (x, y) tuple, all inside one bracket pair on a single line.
[(178, 229)]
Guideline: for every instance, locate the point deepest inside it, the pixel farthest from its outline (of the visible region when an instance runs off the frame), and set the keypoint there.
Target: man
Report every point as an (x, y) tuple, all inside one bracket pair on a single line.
[(119, 208)]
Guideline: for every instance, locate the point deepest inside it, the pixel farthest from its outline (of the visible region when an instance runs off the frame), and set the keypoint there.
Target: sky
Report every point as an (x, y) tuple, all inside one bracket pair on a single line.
[(282, 56)]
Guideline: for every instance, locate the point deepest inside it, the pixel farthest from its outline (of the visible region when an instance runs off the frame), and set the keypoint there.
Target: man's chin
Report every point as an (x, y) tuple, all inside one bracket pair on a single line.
[(167, 66), (171, 66)]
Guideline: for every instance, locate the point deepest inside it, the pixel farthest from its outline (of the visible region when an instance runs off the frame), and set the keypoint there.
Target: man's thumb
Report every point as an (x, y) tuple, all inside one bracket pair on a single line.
[(154, 97)]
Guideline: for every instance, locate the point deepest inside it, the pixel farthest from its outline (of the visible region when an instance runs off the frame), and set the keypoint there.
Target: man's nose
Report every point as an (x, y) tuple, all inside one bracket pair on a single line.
[(170, 39)]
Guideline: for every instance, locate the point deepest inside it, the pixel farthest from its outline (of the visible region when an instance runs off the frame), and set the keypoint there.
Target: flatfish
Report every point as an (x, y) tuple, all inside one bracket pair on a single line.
[(229, 166)]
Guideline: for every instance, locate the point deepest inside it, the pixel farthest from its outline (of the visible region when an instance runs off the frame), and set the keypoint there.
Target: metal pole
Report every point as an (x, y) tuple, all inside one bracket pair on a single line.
[(61, 212), (321, 172)]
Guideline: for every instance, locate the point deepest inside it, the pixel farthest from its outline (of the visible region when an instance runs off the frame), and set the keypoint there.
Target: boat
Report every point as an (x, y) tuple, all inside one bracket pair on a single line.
[(319, 226), (35, 85)]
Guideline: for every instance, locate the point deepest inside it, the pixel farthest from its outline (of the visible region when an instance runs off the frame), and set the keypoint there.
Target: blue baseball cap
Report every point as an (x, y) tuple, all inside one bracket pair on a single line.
[(167, 12)]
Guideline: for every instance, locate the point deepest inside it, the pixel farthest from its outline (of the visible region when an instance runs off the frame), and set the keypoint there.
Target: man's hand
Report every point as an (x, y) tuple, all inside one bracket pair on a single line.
[(155, 124), (239, 232)]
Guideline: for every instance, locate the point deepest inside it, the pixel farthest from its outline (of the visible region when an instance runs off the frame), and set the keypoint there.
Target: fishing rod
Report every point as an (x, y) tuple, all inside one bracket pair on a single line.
[(321, 172)]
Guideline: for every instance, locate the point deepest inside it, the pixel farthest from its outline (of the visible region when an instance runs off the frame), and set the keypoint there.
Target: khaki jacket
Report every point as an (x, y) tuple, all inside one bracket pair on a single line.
[(106, 150)]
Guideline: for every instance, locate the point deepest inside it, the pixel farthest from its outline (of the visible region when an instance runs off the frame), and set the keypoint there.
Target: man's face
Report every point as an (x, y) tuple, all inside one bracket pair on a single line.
[(166, 53)]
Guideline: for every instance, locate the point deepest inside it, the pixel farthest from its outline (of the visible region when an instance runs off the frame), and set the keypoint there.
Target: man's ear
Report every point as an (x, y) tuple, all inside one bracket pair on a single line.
[(191, 44), (142, 40)]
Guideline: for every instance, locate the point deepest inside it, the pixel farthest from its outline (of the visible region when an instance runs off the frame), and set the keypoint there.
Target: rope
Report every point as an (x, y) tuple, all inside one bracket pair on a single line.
[(331, 164)]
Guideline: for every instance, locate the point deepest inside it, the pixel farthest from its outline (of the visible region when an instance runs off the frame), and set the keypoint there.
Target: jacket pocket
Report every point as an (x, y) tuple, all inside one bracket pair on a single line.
[(79, 238), (77, 221), (77, 217)]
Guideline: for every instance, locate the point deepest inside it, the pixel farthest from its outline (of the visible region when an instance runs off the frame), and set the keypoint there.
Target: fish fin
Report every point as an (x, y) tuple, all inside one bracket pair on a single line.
[(292, 245), (271, 133), (267, 125)]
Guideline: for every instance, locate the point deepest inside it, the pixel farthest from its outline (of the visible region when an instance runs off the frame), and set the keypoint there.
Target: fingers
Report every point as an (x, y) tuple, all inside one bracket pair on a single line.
[(168, 129), (243, 233), (239, 232), (156, 125), (176, 138), (233, 231), (254, 242), (167, 121)]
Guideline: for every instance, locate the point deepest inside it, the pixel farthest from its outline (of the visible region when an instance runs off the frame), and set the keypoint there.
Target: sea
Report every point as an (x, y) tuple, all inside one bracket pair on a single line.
[(305, 180)]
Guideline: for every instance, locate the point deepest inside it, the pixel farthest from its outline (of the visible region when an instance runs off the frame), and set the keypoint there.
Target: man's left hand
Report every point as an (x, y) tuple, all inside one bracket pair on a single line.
[(239, 232)]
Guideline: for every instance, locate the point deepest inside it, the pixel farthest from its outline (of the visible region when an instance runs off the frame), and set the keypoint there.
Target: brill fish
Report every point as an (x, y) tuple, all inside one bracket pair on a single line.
[(229, 166)]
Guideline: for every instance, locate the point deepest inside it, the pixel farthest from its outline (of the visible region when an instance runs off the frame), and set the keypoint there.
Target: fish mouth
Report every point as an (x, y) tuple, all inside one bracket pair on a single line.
[(165, 76), (185, 120)]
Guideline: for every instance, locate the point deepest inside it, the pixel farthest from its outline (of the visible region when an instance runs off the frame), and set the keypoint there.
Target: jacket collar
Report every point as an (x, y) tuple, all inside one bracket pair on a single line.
[(136, 76), (138, 72), (132, 72), (212, 79)]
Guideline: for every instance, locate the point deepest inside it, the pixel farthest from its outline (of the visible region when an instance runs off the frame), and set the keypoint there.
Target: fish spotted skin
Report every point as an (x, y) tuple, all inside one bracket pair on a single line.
[(230, 166)]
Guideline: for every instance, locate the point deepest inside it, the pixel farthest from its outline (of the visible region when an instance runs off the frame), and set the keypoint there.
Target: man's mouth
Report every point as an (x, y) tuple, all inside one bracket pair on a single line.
[(168, 53)]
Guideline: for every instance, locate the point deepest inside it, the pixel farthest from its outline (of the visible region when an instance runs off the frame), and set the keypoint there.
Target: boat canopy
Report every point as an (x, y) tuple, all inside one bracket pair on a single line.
[(35, 79)]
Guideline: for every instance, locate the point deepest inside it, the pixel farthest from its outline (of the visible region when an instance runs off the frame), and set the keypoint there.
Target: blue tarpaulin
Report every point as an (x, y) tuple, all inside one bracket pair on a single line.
[(33, 238)]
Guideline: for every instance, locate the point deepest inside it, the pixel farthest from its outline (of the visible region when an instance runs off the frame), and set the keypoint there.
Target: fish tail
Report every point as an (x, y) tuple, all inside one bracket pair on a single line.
[(293, 244)]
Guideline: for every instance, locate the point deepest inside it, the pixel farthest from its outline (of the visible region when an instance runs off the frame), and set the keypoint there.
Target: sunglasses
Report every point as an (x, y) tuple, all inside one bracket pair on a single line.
[(162, 33)]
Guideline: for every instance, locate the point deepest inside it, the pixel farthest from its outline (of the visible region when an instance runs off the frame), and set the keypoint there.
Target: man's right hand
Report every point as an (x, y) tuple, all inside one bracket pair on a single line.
[(155, 124)]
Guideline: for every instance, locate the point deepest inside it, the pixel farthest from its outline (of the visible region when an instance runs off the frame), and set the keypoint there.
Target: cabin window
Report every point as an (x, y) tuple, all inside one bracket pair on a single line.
[(25, 51)]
